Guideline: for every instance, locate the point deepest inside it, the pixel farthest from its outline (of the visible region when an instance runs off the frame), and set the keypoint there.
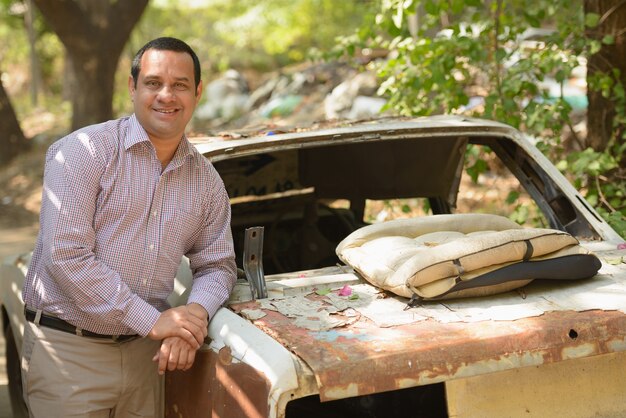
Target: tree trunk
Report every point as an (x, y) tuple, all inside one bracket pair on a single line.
[(602, 111), (94, 33), (12, 140), (35, 69)]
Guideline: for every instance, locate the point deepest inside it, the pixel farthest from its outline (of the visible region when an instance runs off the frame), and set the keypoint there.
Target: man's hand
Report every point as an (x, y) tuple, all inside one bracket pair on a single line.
[(174, 353), (198, 310), (187, 322)]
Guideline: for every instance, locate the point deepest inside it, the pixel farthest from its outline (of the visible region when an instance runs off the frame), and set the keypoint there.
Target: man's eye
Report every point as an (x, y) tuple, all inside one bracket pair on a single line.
[(180, 86), (152, 83)]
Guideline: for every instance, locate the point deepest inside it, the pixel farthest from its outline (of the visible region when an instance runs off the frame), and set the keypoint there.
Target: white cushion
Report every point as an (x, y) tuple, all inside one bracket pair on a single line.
[(427, 256)]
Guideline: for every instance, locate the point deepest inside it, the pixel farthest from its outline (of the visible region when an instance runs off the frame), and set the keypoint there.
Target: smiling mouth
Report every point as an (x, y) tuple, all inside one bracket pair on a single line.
[(166, 111)]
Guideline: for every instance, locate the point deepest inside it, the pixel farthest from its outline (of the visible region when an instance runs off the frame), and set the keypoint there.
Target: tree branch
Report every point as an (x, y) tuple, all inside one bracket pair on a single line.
[(609, 12)]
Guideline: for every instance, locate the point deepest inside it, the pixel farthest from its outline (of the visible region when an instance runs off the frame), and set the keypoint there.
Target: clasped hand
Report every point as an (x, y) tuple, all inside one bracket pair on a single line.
[(182, 331)]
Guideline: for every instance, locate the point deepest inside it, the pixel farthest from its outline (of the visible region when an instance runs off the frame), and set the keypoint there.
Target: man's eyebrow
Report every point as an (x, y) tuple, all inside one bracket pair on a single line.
[(157, 77)]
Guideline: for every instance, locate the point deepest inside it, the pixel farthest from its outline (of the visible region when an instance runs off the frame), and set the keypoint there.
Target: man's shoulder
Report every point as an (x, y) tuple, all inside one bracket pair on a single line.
[(204, 164), (113, 129), (202, 170), (99, 138)]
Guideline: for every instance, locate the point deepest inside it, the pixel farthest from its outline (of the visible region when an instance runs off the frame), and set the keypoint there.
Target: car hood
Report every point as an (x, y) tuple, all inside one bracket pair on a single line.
[(374, 342)]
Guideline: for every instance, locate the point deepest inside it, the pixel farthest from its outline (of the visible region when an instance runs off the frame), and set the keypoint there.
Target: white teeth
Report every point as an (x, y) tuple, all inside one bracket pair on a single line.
[(166, 111)]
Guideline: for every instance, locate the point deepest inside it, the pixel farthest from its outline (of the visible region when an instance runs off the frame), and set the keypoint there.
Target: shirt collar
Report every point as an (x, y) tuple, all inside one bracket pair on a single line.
[(184, 151), (137, 134)]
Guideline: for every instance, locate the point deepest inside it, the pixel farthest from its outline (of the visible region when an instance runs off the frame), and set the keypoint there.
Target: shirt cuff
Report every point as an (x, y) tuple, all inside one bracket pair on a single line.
[(207, 301), (141, 316)]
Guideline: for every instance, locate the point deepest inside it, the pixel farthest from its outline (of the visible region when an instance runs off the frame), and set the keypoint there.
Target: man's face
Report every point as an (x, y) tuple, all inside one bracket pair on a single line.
[(165, 96)]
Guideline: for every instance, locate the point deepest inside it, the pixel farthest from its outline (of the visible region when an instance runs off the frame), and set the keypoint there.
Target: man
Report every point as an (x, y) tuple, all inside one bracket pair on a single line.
[(123, 201)]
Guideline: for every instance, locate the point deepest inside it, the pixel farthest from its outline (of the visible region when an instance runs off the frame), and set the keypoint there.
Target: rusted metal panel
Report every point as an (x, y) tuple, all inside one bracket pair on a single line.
[(362, 358), (216, 387), (582, 388)]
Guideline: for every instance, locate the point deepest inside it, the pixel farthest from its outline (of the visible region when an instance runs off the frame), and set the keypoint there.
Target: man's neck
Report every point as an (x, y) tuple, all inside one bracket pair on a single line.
[(165, 151)]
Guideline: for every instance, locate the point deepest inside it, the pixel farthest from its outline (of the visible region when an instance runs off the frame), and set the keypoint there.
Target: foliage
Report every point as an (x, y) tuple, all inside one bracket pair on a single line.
[(247, 35), (14, 56), (265, 34), (599, 175), (482, 52), (479, 58)]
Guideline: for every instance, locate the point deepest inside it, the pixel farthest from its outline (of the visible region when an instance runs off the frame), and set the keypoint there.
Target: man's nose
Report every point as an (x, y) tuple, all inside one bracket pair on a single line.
[(167, 93)]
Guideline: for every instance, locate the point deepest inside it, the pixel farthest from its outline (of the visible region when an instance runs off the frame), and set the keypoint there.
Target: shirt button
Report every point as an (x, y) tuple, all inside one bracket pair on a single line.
[(154, 213), (151, 246), (145, 281)]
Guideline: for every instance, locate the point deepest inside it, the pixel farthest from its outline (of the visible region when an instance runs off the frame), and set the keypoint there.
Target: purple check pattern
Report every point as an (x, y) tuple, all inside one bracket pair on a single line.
[(114, 227)]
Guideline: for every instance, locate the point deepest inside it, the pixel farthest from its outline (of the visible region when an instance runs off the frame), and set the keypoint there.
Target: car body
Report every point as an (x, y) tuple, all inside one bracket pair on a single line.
[(543, 350)]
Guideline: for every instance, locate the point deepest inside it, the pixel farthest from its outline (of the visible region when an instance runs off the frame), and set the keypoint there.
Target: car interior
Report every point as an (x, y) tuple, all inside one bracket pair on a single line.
[(308, 199)]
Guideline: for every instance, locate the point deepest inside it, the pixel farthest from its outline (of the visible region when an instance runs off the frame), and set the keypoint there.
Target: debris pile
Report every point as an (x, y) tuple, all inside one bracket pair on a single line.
[(290, 98)]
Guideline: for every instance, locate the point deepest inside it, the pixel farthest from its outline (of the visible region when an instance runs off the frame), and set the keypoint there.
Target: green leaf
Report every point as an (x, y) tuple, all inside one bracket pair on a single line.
[(532, 20), (594, 46), (592, 19), (608, 40), (474, 171), (458, 6), (322, 292), (500, 54), (512, 197), (431, 7)]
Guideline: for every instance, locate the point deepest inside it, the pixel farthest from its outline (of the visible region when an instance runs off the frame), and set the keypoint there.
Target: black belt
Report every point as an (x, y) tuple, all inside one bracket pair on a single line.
[(61, 325)]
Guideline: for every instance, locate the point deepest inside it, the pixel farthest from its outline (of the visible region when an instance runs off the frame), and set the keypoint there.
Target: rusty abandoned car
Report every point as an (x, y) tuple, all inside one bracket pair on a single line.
[(309, 331)]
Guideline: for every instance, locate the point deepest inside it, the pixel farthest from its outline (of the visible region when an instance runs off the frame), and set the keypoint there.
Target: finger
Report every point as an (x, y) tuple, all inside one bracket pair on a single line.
[(174, 323), (199, 323), (195, 326), (191, 355), (172, 362), (182, 357), (190, 337), (198, 334), (197, 312), (164, 354)]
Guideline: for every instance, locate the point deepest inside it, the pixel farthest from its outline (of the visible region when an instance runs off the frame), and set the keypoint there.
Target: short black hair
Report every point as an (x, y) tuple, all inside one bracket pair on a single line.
[(165, 44)]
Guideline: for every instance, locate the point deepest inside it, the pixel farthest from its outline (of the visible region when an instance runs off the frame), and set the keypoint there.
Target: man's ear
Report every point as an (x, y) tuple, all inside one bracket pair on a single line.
[(131, 87), (199, 92)]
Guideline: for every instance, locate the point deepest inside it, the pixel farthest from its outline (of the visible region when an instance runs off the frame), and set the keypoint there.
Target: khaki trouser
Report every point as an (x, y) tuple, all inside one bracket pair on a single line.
[(65, 375)]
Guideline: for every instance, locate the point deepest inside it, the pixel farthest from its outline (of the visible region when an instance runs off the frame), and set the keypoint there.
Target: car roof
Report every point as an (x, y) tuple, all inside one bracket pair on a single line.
[(223, 147)]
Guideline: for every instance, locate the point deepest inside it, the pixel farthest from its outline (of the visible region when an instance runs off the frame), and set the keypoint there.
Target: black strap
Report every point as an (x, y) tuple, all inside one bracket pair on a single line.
[(415, 300), (459, 266), (61, 325), (529, 250)]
